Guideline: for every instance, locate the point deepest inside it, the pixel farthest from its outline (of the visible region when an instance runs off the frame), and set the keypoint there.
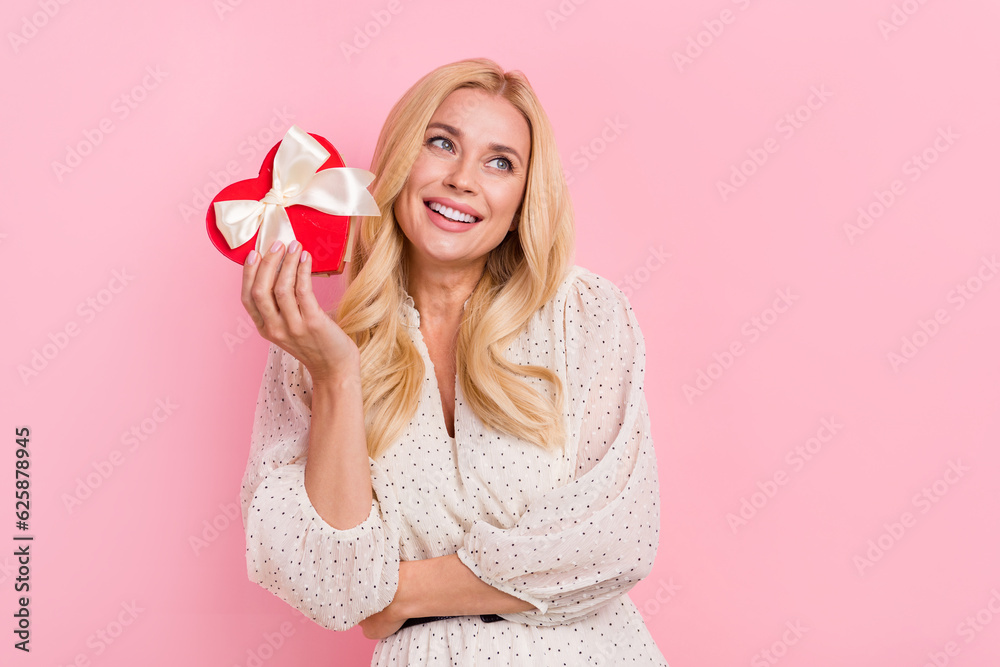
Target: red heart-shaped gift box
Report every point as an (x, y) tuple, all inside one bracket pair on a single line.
[(325, 236)]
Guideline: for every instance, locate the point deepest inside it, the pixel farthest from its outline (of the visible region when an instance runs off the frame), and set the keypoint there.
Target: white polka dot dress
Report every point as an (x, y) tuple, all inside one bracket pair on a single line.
[(570, 532)]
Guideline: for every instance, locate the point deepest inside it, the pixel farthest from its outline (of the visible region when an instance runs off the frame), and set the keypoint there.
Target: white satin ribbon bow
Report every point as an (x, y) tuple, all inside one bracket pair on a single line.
[(337, 191)]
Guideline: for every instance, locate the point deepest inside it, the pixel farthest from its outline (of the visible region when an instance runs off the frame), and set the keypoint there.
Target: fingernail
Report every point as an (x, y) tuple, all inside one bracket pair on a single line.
[(251, 258), (276, 247), (303, 256), (293, 246)]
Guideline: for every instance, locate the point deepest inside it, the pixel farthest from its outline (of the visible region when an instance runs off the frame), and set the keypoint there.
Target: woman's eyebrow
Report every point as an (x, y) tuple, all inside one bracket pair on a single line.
[(498, 148), (446, 128)]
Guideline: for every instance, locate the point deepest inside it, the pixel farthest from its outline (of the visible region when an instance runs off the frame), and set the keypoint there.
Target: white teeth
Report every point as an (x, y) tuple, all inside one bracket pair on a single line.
[(450, 213)]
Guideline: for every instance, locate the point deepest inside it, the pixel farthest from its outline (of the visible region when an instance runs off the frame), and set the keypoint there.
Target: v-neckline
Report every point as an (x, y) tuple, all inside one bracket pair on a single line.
[(412, 319), (431, 371)]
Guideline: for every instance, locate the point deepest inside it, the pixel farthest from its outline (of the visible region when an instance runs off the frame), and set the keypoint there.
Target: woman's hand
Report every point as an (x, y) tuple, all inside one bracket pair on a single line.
[(382, 624), (282, 304), (390, 619)]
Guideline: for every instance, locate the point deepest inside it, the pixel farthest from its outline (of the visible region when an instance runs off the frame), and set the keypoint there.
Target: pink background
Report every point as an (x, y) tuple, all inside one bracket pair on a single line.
[(842, 547)]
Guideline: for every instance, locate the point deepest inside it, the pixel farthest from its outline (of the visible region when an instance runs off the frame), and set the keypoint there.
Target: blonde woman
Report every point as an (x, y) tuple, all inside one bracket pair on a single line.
[(459, 457)]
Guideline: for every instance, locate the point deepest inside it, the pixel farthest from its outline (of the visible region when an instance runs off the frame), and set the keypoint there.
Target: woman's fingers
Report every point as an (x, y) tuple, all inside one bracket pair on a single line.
[(308, 305), (285, 289), (277, 291), (250, 267), (262, 290)]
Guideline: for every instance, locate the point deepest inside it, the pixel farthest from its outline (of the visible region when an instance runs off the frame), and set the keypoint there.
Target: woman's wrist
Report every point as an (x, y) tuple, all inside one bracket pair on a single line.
[(405, 604), (444, 586), (346, 373)]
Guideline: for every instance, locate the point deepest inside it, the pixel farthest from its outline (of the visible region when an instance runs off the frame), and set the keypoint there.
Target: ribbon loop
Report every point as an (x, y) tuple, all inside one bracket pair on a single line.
[(295, 181)]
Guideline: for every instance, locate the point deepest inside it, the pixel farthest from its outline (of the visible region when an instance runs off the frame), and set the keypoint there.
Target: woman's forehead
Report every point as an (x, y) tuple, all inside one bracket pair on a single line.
[(490, 117)]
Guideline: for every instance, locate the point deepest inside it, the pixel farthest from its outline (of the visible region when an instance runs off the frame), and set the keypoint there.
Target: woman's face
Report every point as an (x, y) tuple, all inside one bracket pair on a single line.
[(473, 161)]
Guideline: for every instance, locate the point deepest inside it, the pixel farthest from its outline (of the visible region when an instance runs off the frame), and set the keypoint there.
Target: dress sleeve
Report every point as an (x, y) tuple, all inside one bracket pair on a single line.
[(582, 545), (335, 577)]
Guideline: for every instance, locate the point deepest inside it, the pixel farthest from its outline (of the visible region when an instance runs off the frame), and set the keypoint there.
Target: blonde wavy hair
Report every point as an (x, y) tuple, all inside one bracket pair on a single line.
[(522, 273)]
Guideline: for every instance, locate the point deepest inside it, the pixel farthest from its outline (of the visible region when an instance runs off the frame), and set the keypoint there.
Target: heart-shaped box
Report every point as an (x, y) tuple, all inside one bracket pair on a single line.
[(327, 236)]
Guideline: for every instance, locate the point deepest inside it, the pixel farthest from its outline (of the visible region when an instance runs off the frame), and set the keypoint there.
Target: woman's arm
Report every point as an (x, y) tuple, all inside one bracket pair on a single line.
[(441, 586), (286, 312), (315, 535), (337, 477), (445, 586)]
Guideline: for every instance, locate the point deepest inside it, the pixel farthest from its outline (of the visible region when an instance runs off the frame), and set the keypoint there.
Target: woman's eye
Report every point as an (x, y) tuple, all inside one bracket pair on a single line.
[(444, 143), (507, 166)]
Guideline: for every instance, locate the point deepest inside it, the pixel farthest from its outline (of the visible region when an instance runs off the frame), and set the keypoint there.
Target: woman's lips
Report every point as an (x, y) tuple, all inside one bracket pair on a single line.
[(447, 224), (458, 210)]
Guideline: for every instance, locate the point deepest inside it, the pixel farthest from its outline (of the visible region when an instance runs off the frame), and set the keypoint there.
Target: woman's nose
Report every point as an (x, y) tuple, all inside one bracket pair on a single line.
[(462, 176)]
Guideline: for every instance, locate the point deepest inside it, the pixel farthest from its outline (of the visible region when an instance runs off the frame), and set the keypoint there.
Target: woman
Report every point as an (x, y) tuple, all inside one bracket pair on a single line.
[(480, 479)]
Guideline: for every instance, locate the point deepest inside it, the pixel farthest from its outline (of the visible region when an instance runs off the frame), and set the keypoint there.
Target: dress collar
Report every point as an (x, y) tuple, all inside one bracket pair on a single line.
[(408, 313)]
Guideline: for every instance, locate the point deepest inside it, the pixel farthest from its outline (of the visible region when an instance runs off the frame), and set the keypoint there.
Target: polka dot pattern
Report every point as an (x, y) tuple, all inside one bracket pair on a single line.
[(570, 532)]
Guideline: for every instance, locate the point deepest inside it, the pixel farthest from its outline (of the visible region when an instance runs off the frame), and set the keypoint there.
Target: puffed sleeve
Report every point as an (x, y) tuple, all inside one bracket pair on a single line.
[(581, 545), (335, 577)]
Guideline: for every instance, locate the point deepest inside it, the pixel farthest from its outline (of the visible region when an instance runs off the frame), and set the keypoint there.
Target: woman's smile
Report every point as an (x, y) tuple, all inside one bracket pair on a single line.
[(453, 210), (450, 219)]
